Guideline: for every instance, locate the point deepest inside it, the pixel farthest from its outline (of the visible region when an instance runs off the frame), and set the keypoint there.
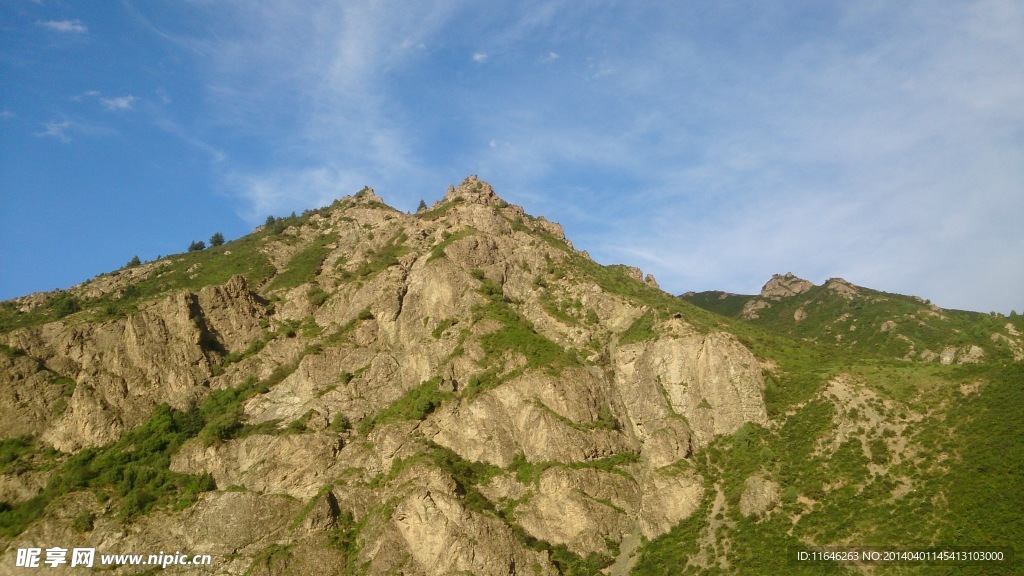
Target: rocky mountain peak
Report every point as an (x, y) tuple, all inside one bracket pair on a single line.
[(783, 286), (474, 190), (841, 287), (361, 360), (367, 196)]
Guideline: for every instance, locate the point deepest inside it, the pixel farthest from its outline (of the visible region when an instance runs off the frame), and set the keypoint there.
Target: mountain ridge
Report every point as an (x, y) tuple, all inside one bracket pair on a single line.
[(365, 391)]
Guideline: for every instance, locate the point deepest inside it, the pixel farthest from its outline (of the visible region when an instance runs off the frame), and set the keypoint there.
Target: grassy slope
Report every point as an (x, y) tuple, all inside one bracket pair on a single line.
[(829, 315), (966, 483)]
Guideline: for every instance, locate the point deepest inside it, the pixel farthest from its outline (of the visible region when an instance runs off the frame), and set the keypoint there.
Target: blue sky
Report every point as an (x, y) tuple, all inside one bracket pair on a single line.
[(711, 143)]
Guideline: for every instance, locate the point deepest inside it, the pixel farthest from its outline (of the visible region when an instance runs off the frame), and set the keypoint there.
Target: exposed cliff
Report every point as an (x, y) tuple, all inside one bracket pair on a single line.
[(448, 392)]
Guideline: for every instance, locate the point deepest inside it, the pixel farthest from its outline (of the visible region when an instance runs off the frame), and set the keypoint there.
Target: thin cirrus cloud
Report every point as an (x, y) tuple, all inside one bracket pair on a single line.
[(58, 130), (888, 161), (118, 103), (712, 146), (339, 76), (65, 26)]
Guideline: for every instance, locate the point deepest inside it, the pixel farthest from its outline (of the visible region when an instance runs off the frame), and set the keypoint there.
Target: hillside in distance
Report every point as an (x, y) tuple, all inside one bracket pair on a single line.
[(358, 390), (870, 322)]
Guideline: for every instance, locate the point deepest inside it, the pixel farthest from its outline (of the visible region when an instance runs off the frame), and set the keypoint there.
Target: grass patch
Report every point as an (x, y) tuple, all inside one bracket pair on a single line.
[(517, 333), (447, 239), (385, 257), (440, 210), (640, 330), (135, 469), (304, 265), (416, 404), (443, 326)]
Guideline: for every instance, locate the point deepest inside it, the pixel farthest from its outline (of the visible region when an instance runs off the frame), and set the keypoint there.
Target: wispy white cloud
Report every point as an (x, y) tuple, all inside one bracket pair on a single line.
[(65, 26), (717, 146), (278, 192), (884, 156), (118, 103), (328, 73), (58, 130), (165, 123)]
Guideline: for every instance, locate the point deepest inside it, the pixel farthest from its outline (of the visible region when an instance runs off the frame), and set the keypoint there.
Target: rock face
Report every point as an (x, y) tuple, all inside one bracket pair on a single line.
[(759, 496), (379, 387), (783, 286), (841, 287)]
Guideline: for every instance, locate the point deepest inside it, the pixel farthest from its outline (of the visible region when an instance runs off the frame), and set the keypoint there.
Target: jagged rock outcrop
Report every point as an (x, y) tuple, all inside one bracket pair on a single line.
[(370, 370), (841, 287), (750, 309), (759, 496), (711, 381), (783, 286), (164, 353)]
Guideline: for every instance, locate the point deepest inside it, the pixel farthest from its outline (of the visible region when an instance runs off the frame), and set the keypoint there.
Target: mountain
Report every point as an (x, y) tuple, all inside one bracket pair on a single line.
[(358, 390), (869, 322)]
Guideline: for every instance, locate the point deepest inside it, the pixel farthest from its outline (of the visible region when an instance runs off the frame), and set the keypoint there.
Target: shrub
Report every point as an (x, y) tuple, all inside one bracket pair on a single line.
[(65, 304), (341, 423), (416, 404), (317, 295), (133, 262), (83, 521)]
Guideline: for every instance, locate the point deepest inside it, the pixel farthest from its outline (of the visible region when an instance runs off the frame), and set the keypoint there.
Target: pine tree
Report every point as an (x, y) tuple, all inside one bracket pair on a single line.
[(217, 239), (133, 262), (422, 207), (196, 246)]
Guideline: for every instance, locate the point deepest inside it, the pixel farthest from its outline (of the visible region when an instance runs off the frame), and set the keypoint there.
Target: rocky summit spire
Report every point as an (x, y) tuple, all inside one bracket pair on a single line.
[(367, 196), (474, 190)]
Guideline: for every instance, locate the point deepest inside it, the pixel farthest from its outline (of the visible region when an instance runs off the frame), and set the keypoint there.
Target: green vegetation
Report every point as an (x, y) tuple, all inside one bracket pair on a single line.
[(384, 257), (190, 270), (67, 387), (440, 211), (640, 330), (304, 265), (23, 453), (270, 559), (10, 351), (966, 453), (616, 279), (416, 404), (438, 250), (566, 310), (217, 239), (909, 323), (135, 469), (942, 469), (443, 326), (604, 421), (317, 295), (83, 521), (517, 333)]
